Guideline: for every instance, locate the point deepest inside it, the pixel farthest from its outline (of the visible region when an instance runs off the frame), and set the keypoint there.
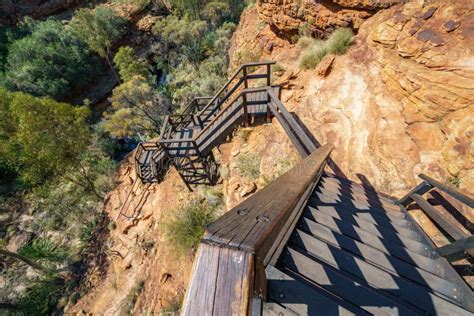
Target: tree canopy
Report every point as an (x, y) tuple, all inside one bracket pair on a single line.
[(48, 61), (99, 29), (137, 109), (129, 65), (42, 137)]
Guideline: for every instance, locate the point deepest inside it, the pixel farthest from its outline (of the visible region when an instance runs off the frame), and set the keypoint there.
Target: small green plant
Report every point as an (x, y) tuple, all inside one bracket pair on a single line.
[(315, 50), (455, 181), (88, 231), (245, 134), (312, 56), (278, 69), (339, 41), (305, 41), (186, 230), (40, 248), (249, 166)]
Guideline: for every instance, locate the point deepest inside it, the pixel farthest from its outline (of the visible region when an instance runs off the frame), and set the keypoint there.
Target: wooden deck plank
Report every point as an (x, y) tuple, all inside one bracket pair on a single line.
[(380, 232), (434, 266), (365, 297), (378, 258), (304, 299), (341, 212), (365, 273)]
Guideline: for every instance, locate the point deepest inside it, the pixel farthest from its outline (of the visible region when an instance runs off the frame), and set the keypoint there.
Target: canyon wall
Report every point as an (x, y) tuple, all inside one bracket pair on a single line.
[(399, 103), (318, 16)]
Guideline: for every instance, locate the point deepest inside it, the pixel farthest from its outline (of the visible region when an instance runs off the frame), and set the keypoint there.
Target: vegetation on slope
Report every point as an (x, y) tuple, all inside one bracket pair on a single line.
[(56, 165), (314, 50)]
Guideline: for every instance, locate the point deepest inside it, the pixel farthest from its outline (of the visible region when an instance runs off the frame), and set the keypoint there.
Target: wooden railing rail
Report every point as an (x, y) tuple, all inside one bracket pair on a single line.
[(237, 247), (242, 80), (429, 183)]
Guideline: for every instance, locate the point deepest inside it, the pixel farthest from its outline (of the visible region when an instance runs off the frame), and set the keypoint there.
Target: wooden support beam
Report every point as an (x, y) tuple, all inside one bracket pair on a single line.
[(420, 189), (459, 249), (450, 228), (449, 190)]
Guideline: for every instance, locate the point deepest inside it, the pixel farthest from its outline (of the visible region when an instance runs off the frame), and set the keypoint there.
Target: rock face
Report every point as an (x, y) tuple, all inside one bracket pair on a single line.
[(318, 16), (11, 11), (399, 103)]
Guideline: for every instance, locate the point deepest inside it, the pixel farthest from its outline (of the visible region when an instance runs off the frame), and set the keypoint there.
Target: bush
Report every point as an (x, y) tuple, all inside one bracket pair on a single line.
[(41, 248), (42, 297), (311, 56), (315, 50), (249, 166), (186, 230), (132, 297), (305, 41), (339, 41), (129, 65)]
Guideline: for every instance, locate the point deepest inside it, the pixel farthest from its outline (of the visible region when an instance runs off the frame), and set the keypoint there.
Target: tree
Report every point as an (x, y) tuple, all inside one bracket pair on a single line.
[(129, 65), (137, 109), (99, 29), (48, 136), (50, 61)]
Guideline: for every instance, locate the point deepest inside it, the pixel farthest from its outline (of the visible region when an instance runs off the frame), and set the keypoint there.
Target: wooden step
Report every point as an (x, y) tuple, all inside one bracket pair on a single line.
[(382, 232), (303, 299), (364, 273), (332, 280), (382, 227), (391, 264)]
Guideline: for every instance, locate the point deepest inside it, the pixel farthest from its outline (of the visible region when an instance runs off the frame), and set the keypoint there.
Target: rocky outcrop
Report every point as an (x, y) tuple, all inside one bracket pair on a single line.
[(318, 16), (398, 103), (12, 11)]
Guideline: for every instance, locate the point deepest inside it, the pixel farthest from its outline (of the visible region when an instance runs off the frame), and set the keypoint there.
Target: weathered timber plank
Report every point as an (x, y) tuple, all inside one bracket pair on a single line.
[(458, 250), (342, 212), (448, 226), (377, 258), (259, 215), (386, 246), (199, 298), (365, 273), (380, 232), (371, 214), (449, 190), (348, 289), (358, 194), (334, 182), (304, 299), (221, 283)]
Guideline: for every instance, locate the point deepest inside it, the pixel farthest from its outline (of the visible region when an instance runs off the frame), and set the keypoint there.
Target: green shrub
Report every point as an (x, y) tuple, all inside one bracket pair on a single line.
[(311, 56), (186, 230), (339, 41), (305, 41), (88, 231), (49, 61), (41, 248), (249, 166), (315, 50), (42, 297)]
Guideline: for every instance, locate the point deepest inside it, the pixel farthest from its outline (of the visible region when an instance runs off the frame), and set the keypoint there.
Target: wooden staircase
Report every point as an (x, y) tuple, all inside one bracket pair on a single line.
[(312, 243), (186, 140)]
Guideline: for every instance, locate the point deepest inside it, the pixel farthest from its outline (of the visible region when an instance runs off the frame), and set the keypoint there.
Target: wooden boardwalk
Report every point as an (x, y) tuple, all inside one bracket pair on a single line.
[(311, 243)]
